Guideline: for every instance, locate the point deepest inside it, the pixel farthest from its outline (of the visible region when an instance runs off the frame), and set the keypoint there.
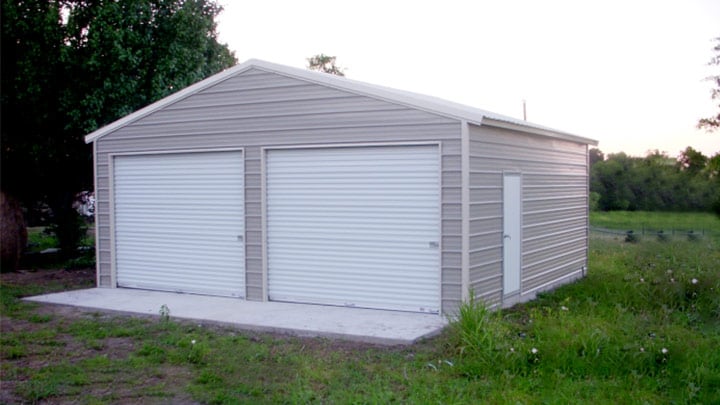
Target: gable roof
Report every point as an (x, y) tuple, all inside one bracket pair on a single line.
[(414, 100)]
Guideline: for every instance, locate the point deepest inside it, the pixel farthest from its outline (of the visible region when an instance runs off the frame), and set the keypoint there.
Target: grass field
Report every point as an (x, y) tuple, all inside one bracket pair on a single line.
[(642, 327), (637, 220)]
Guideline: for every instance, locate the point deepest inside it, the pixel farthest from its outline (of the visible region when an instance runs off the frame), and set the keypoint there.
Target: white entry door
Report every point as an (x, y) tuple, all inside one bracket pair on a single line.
[(179, 222), (355, 226), (512, 232)]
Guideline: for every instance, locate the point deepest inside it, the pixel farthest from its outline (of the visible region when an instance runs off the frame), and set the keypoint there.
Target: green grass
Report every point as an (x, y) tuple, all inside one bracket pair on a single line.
[(636, 220), (599, 340), (39, 239)]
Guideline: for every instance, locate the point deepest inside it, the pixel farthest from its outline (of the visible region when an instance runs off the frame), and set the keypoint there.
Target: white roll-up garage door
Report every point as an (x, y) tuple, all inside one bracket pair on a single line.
[(355, 226), (179, 222)]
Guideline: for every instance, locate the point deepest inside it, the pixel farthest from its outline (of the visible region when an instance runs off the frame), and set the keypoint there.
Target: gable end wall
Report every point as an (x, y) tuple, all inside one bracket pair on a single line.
[(257, 109)]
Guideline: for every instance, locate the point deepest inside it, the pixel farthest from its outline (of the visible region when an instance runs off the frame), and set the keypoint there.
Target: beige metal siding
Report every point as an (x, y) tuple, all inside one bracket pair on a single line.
[(554, 194), (256, 109)]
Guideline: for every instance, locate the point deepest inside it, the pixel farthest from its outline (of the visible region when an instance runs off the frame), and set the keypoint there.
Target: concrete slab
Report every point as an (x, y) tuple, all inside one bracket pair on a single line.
[(365, 325)]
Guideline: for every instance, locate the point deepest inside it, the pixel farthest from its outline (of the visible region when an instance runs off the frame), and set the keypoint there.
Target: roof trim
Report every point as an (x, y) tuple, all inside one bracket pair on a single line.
[(497, 123), (419, 101)]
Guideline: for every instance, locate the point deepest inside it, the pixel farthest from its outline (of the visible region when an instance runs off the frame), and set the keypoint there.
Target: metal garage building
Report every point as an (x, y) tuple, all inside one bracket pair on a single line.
[(266, 182)]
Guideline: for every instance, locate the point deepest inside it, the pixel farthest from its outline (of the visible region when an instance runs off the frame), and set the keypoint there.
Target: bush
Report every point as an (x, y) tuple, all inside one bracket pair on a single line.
[(595, 201), (70, 229)]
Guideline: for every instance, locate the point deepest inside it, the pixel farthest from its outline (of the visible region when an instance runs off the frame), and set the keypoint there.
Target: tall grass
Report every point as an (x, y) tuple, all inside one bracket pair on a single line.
[(647, 315)]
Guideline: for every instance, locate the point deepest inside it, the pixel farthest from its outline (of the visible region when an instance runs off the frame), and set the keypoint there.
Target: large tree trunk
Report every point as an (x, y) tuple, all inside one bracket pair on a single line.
[(13, 232)]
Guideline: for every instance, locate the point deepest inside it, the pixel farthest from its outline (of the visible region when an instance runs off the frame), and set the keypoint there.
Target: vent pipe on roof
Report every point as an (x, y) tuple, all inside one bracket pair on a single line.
[(524, 111)]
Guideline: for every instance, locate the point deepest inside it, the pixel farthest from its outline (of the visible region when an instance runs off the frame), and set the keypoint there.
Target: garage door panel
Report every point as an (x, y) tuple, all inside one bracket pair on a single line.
[(178, 218), (354, 226)]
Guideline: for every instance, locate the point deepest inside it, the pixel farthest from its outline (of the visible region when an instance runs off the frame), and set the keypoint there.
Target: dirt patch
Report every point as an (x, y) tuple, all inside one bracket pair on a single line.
[(51, 280), (38, 338)]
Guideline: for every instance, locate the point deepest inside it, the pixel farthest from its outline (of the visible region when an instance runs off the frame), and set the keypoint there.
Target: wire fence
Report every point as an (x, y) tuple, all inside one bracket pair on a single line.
[(646, 233)]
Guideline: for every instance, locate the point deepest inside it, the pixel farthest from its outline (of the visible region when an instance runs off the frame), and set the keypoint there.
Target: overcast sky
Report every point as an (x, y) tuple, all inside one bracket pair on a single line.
[(628, 73)]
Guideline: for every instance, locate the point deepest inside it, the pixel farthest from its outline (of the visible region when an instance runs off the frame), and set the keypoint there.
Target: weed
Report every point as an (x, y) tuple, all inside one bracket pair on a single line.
[(164, 313), (38, 318)]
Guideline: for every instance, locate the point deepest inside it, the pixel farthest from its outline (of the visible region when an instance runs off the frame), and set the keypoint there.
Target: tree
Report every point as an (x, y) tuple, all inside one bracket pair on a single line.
[(713, 123), (71, 66), (692, 161), (656, 182), (326, 64), (713, 167), (596, 155)]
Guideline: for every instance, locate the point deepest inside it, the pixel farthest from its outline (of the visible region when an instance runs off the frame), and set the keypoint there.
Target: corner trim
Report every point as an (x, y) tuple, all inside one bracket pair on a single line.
[(465, 209)]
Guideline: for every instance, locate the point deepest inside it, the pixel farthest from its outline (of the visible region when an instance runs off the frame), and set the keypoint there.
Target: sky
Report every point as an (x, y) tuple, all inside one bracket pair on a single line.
[(628, 73)]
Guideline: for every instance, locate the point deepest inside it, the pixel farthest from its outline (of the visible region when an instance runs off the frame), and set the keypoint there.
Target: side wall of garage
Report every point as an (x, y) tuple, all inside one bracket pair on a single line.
[(256, 109), (554, 215)]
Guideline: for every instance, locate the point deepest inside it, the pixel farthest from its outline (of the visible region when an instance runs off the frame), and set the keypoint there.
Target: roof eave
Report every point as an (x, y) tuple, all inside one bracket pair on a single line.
[(537, 131)]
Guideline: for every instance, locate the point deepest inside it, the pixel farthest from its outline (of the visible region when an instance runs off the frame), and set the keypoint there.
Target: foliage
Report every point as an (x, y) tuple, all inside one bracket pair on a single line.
[(71, 66), (596, 155), (43, 238), (656, 182), (713, 123), (326, 64)]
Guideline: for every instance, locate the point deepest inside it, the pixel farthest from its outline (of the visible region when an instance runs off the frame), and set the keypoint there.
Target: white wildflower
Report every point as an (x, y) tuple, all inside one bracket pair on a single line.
[(642, 280), (642, 350), (533, 350), (193, 341), (512, 350), (664, 350), (564, 308), (694, 281)]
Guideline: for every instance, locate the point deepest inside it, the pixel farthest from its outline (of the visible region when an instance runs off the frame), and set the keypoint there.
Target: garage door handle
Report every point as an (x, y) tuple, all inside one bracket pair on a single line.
[(434, 245), (507, 237), (240, 238)]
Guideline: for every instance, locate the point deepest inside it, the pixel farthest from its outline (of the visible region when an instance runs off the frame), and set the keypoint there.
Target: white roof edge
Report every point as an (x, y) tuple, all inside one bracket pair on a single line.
[(537, 130), (415, 100)]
